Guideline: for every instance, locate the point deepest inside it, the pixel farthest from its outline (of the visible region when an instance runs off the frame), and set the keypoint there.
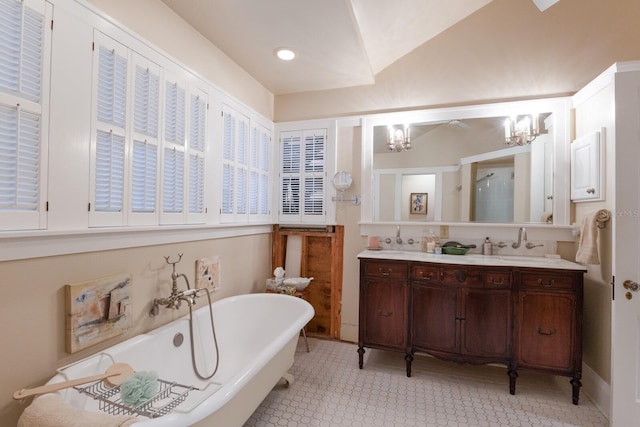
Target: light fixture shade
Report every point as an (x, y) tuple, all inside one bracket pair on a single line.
[(285, 53), (545, 4)]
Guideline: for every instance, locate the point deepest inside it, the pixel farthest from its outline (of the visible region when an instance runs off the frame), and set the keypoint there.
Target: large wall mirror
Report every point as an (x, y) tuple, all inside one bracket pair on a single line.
[(459, 162)]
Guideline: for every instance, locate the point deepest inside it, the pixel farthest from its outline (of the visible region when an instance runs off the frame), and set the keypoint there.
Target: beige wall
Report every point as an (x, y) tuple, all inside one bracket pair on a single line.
[(32, 306)]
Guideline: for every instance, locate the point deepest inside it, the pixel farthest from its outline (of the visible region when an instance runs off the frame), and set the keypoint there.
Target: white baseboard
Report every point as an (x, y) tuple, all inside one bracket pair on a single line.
[(593, 387)]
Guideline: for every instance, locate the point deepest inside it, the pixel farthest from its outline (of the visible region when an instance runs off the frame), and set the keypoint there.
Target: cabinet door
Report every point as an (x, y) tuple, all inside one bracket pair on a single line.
[(546, 336), (486, 320), (384, 313), (434, 325)]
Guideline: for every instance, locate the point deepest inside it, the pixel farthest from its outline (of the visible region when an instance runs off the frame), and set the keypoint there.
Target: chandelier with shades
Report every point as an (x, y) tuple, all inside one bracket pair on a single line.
[(399, 138), (521, 130)]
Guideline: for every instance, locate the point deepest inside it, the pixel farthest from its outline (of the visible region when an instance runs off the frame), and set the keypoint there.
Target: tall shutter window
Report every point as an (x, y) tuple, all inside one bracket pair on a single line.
[(144, 152), (235, 166), (174, 155), (242, 166), (259, 173), (23, 42), (110, 120), (303, 176), (197, 142), (291, 161), (228, 163), (314, 174)]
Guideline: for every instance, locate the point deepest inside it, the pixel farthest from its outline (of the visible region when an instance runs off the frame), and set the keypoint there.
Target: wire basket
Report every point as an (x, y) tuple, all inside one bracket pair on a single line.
[(169, 395)]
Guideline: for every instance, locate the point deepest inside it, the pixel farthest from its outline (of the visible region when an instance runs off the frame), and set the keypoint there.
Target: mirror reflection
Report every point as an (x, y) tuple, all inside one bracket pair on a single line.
[(467, 169)]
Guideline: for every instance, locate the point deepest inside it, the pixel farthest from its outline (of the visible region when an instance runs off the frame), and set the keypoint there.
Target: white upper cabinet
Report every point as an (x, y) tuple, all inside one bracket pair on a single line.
[(587, 174)]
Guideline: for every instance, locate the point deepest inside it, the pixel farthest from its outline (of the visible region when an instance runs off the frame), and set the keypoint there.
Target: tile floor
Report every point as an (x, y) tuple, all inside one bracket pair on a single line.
[(330, 391)]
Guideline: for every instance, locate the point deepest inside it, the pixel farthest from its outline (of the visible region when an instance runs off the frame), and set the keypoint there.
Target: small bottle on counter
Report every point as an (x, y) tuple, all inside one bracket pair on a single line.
[(487, 247), (438, 249)]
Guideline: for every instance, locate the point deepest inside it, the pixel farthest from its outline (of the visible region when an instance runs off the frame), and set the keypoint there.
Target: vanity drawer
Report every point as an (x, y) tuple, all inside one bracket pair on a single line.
[(425, 273), (548, 281), (386, 269), (497, 279), (461, 276)]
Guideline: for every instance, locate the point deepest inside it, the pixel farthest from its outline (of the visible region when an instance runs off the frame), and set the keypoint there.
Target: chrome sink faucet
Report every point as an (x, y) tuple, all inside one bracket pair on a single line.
[(522, 238), (176, 298), (398, 238)]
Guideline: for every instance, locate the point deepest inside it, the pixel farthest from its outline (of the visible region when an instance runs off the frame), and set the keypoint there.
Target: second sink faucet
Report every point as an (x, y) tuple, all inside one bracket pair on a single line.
[(398, 238), (522, 237)]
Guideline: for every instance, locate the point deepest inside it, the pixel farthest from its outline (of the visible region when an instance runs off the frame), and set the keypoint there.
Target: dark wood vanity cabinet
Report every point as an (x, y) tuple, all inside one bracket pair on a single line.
[(524, 318), (549, 324), (466, 314), (384, 310)]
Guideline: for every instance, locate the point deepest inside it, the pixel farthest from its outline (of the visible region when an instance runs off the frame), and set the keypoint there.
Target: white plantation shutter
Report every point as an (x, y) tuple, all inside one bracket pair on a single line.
[(174, 145), (145, 156), (314, 165), (19, 159), (173, 181), (109, 172), (143, 177), (235, 166), (112, 87), (303, 176), (21, 49), (197, 143), (23, 43), (259, 173), (109, 129), (146, 102), (174, 113)]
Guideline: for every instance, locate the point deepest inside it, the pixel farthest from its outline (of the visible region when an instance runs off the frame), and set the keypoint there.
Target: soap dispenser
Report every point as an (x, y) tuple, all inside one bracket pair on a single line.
[(487, 247)]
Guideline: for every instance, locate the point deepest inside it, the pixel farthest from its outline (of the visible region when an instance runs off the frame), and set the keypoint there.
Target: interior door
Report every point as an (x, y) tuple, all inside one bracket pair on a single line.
[(625, 334)]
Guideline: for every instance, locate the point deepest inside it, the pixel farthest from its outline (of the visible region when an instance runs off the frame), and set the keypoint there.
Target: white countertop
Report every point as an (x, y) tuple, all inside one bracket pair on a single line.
[(474, 259)]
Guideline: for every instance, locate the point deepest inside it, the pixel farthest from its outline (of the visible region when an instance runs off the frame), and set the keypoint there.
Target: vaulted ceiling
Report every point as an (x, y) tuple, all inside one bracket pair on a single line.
[(339, 43)]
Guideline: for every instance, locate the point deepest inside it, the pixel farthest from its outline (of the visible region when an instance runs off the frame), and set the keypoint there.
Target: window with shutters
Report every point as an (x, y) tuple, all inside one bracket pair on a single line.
[(111, 65), (25, 38), (259, 209), (198, 105), (144, 154), (173, 147), (303, 176), (235, 166)]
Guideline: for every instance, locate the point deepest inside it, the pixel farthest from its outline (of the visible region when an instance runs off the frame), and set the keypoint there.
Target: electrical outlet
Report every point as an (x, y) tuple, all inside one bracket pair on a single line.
[(444, 231)]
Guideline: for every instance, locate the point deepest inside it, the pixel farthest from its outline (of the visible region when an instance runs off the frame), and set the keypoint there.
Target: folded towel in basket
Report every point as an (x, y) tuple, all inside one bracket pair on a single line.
[(50, 410)]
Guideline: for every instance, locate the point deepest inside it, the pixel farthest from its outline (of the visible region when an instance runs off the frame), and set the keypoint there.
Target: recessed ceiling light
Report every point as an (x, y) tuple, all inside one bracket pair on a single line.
[(285, 53)]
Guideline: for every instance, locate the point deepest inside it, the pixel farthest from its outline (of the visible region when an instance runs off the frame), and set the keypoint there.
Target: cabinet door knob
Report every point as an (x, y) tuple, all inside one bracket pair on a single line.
[(591, 190), (384, 272), (497, 282), (541, 332), (384, 314)]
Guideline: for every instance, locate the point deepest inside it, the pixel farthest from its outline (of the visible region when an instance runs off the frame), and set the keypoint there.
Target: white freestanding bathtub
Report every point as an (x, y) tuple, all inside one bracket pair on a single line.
[(257, 338)]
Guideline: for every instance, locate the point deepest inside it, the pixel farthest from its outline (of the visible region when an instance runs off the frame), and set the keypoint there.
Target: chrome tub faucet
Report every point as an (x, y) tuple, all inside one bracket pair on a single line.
[(176, 298)]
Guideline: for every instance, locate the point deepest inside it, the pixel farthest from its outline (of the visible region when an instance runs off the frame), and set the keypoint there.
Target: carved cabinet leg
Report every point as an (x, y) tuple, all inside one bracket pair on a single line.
[(408, 358), (576, 383), (513, 375), (360, 356)]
